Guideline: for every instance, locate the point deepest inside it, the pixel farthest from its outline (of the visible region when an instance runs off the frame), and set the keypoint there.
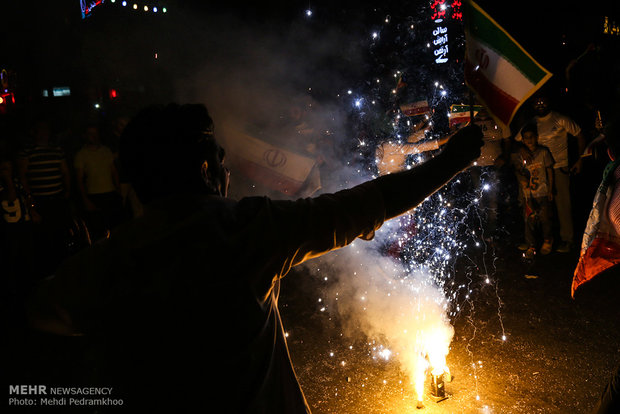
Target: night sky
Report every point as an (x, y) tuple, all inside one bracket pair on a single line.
[(48, 43)]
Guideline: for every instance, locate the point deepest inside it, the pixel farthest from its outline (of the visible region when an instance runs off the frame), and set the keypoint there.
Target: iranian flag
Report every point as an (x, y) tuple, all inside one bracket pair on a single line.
[(272, 166), (415, 108), (460, 114), (600, 246), (501, 73)]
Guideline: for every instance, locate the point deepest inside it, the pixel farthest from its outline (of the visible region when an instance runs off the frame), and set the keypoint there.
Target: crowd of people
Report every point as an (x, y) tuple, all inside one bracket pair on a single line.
[(534, 166), (57, 200), (60, 190), (197, 261)]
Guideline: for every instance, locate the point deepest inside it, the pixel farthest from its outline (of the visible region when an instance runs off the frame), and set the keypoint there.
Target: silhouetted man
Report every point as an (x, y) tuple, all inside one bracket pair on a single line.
[(183, 301)]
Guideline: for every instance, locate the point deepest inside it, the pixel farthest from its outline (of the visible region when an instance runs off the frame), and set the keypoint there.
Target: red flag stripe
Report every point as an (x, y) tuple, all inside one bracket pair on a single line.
[(599, 256), (503, 105)]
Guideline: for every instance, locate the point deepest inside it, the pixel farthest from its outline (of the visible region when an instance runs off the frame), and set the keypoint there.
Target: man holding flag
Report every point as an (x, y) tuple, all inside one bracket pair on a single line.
[(503, 76), (600, 248), (497, 69)]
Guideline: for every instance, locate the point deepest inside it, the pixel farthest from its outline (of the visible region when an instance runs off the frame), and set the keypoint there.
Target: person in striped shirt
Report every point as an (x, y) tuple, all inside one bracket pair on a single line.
[(44, 171), (44, 174)]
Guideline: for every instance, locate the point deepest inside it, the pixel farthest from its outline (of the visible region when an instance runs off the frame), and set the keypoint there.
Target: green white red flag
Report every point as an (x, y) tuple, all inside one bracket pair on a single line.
[(500, 72), (460, 114), (600, 247)]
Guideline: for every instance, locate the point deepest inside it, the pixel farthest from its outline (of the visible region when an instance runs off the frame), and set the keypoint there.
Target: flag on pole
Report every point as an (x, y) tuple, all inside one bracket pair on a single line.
[(271, 166), (460, 114), (500, 72), (600, 247)]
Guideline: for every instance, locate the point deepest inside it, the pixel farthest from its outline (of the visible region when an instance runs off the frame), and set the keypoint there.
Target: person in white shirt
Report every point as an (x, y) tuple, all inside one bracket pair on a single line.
[(98, 182), (553, 131)]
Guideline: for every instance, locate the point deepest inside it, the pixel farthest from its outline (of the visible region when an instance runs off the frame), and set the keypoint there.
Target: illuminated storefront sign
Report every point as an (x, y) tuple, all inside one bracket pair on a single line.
[(440, 32), (441, 12)]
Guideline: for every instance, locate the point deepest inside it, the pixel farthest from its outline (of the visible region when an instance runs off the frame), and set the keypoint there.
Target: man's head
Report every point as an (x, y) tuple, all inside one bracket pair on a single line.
[(91, 134), (540, 103), (529, 134), (171, 149)]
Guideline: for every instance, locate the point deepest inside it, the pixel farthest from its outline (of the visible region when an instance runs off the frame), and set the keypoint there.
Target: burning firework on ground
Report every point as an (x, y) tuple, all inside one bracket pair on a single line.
[(401, 302)]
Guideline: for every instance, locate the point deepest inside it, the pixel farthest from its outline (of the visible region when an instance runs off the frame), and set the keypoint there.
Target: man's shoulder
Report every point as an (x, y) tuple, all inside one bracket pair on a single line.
[(81, 152), (106, 149), (560, 116)]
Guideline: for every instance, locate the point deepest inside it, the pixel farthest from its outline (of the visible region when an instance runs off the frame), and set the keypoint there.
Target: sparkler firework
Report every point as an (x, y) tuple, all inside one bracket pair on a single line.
[(402, 291), (405, 286)]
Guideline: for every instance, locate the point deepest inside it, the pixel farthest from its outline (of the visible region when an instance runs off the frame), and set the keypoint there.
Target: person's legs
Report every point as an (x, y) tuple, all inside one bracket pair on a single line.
[(108, 214), (531, 220), (546, 219), (50, 236), (546, 225)]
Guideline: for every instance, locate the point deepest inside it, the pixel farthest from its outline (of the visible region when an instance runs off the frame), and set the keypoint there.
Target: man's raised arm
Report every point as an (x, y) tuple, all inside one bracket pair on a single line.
[(404, 190)]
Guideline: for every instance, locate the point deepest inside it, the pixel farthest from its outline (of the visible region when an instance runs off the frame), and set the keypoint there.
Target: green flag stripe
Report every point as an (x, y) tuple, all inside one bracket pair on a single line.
[(488, 32), (464, 108)]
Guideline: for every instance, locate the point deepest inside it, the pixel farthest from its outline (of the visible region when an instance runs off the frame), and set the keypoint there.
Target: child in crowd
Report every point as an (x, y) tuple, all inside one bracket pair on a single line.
[(534, 168)]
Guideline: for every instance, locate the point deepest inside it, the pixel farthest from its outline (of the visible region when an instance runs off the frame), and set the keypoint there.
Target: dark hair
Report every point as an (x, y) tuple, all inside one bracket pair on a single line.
[(163, 148), (530, 127)]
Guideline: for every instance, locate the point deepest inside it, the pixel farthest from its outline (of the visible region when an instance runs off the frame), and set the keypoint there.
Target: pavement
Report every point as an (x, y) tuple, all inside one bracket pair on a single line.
[(521, 343)]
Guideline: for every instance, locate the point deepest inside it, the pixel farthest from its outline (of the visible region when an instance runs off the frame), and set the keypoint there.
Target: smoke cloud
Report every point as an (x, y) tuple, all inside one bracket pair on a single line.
[(373, 295), (251, 78), (263, 79)]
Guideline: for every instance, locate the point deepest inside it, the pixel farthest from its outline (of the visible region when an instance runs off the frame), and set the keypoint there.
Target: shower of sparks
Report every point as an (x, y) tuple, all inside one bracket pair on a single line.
[(418, 286), (410, 273), (406, 284)]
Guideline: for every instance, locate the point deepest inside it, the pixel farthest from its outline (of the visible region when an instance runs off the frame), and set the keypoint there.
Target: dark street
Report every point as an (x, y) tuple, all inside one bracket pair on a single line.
[(164, 163), (558, 354)]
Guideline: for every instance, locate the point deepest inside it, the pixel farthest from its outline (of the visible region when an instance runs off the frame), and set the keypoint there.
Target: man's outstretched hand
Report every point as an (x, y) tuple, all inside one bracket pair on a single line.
[(464, 147), (423, 180)]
